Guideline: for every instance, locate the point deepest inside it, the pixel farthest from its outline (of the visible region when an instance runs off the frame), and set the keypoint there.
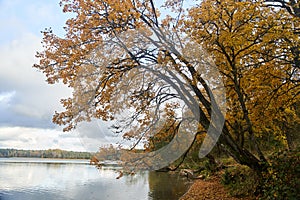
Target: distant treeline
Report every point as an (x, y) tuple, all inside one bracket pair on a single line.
[(50, 153)]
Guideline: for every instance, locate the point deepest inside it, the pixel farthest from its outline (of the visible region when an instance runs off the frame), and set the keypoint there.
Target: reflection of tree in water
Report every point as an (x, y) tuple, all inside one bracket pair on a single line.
[(139, 177), (167, 186)]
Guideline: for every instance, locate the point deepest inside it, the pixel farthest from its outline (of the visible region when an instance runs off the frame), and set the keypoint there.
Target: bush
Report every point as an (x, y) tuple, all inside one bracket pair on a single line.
[(282, 179), (241, 181)]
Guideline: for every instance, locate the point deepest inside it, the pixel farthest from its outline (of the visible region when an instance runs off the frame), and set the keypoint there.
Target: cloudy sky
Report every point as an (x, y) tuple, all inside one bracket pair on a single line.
[(27, 102)]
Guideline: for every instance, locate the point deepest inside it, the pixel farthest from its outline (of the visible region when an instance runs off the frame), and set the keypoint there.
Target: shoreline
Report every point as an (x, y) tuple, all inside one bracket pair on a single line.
[(209, 189)]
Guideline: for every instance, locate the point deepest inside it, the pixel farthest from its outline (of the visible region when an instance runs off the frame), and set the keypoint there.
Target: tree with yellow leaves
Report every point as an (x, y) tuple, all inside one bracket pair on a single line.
[(251, 45), (125, 63)]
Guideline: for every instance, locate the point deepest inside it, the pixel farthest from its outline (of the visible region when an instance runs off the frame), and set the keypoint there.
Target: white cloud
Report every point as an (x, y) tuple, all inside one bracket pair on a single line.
[(33, 97), (27, 102), (35, 138), (5, 98), (20, 16), (21, 30)]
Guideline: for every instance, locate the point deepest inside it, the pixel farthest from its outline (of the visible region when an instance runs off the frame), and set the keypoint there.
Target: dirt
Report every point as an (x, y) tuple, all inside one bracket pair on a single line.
[(208, 189)]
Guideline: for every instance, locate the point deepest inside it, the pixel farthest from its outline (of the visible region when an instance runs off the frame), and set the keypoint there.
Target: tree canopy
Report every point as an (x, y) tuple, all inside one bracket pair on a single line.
[(130, 64)]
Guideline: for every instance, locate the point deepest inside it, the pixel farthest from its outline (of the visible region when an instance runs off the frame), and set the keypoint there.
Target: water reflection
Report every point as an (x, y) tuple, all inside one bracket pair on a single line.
[(81, 181), (166, 186)]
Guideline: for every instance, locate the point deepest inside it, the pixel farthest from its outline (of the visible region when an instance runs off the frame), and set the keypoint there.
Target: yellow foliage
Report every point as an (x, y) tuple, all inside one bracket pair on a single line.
[(250, 43), (252, 47)]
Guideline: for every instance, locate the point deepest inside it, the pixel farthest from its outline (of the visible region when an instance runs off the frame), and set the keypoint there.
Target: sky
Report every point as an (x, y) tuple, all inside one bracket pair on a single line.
[(27, 102)]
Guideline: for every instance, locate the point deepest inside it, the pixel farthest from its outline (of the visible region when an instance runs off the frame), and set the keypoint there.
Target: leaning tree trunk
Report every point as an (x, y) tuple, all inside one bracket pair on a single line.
[(240, 155)]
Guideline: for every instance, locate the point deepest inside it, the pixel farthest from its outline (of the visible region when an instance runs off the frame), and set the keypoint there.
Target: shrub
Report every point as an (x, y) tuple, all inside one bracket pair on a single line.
[(282, 179), (241, 181)]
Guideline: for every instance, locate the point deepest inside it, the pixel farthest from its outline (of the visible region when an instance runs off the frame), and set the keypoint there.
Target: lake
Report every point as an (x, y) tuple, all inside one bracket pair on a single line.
[(36, 179)]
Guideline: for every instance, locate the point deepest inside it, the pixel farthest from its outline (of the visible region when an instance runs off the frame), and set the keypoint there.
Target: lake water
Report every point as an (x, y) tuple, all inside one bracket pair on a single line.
[(43, 179)]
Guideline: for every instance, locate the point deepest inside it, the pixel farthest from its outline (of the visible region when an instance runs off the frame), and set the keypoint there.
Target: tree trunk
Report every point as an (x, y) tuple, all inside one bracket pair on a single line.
[(289, 138), (240, 155)]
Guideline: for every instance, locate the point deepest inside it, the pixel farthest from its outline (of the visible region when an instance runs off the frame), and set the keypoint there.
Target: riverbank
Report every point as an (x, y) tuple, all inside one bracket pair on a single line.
[(208, 189)]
